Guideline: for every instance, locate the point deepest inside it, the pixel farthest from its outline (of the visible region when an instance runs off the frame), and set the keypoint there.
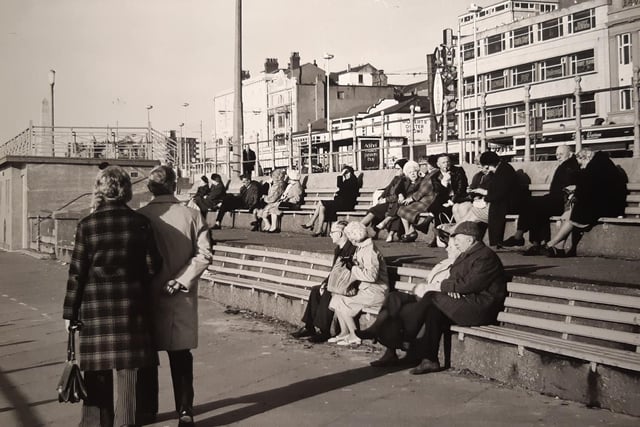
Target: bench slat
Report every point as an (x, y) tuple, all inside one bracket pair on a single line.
[(572, 329), (315, 260), (414, 272), (305, 284), (571, 310), (271, 265), (575, 294), (264, 286), (620, 359)]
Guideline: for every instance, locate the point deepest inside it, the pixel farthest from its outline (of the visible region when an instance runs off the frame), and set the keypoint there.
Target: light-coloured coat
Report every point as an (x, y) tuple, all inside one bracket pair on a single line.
[(184, 243)]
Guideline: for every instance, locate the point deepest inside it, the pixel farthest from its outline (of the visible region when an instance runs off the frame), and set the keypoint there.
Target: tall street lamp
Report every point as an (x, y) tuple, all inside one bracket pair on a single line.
[(475, 9), (52, 82), (185, 158), (328, 57), (149, 107)]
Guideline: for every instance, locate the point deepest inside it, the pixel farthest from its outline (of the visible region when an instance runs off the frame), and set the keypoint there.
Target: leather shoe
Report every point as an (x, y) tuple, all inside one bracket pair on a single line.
[(533, 251), (513, 241), (366, 334), (411, 237), (185, 418), (389, 358), (306, 227), (425, 367), (216, 227), (302, 333), (319, 338)]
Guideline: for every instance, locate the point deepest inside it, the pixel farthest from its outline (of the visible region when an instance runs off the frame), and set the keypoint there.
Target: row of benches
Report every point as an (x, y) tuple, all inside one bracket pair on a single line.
[(593, 326)]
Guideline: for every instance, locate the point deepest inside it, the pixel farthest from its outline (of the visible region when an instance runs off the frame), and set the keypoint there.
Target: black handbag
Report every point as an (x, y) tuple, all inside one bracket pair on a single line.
[(71, 386)]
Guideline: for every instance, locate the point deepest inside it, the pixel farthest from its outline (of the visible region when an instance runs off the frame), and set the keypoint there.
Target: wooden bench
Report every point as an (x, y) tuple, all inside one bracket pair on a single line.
[(597, 327)]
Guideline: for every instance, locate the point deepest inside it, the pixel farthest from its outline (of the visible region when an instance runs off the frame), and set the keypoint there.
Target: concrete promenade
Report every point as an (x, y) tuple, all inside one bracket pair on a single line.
[(249, 372)]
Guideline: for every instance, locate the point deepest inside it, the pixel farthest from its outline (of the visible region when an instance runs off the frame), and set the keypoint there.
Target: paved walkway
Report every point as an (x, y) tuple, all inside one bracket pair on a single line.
[(577, 269), (249, 372)]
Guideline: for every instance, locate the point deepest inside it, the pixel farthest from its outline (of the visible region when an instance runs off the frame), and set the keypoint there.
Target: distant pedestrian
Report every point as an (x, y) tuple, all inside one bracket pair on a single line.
[(113, 261), (183, 241)]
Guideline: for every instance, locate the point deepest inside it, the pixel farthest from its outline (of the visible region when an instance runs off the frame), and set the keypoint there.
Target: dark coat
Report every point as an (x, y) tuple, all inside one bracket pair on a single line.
[(216, 193), (395, 187), (564, 176), (601, 191), (456, 191), (251, 194), (423, 193), (109, 287), (478, 275), (347, 195), (505, 195), (202, 191)]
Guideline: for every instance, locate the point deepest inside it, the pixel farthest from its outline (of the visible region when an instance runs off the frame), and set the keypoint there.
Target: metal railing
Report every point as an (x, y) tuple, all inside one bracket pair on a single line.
[(135, 143)]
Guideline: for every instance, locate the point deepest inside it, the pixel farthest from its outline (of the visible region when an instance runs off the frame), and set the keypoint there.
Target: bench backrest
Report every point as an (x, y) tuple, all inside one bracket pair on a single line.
[(611, 320), (290, 273)]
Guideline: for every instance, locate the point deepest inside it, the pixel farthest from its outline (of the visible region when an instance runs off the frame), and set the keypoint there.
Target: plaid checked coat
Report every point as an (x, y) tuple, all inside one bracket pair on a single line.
[(108, 289), (423, 192)]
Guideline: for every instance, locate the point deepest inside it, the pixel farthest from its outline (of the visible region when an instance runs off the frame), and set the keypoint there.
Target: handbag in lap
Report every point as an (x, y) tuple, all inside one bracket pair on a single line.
[(339, 279), (71, 386)]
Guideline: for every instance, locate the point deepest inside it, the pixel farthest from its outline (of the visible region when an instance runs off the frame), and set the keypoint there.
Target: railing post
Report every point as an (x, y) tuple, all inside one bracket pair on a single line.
[(527, 123), (330, 129), (636, 112), (578, 116), (483, 122), (382, 145), (412, 138), (309, 158), (32, 148)]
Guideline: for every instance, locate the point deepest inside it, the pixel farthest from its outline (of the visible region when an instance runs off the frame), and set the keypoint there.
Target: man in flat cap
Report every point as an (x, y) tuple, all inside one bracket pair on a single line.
[(473, 295)]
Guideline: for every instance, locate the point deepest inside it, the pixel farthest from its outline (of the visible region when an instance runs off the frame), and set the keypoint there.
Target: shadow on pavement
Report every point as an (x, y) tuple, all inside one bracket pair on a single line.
[(264, 401), (523, 269), (19, 403)]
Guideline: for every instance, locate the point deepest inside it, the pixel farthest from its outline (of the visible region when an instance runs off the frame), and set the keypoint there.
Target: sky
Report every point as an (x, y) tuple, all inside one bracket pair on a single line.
[(114, 57)]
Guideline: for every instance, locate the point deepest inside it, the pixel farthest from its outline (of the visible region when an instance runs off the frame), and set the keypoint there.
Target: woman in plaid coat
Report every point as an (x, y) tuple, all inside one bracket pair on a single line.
[(113, 260)]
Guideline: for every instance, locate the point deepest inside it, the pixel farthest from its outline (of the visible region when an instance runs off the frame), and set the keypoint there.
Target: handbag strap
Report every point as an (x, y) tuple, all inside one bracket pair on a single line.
[(71, 345)]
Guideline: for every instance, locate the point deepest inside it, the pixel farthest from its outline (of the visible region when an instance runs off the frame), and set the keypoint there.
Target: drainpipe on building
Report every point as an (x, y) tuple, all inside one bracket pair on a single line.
[(527, 123), (578, 112), (636, 115)]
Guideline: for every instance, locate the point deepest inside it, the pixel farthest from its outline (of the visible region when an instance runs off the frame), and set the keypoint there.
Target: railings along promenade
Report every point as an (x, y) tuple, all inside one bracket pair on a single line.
[(134, 143)]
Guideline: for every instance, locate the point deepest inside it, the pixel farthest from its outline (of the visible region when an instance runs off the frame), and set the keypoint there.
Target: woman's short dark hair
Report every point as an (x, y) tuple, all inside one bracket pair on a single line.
[(113, 184), (489, 158), (216, 177), (348, 168)]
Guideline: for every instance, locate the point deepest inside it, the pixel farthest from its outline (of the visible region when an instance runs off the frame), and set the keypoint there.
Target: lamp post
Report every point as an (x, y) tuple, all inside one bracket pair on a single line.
[(180, 145), (149, 107), (185, 158), (475, 9), (328, 57), (52, 83)]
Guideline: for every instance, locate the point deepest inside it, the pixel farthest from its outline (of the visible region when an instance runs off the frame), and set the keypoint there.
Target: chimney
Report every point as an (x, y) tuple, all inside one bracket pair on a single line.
[(294, 60), (271, 65), (348, 68)]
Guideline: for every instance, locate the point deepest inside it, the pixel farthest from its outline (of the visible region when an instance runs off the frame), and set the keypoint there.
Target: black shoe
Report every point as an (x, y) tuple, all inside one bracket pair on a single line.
[(411, 237), (366, 334), (533, 251), (424, 225), (513, 241), (302, 333), (318, 234), (319, 338), (389, 358), (425, 367), (409, 361), (256, 227), (306, 227), (216, 227), (185, 418)]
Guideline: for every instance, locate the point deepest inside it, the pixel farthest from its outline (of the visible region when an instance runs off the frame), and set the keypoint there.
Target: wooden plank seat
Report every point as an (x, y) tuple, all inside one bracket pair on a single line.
[(597, 327), (279, 273)]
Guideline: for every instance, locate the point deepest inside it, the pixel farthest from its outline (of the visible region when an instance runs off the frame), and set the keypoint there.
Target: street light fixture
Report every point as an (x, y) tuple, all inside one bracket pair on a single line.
[(52, 82), (183, 145), (328, 57)]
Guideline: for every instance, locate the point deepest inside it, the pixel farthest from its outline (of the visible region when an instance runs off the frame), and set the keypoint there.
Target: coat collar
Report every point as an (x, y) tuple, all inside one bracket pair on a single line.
[(165, 198), (473, 249)]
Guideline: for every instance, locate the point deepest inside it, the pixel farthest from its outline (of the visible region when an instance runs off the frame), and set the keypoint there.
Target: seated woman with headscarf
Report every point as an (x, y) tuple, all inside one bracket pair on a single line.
[(394, 326), (270, 200), (388, 202), (369, 270), (419, 197), (291, 198)]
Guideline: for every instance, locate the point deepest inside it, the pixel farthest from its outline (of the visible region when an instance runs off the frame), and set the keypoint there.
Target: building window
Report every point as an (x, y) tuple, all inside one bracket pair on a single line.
[(582, 21), (625, 99), (467, 51), (523, 74), (587, 104), (341, 94), (624, 48), (517, 115), (496, 80), (280, 120), (495, 44), (521, 37), (469, 121), (496, 118), (554, 109), (582, 62), (468, 86), (550, 29), (360, 78), (552, 68)]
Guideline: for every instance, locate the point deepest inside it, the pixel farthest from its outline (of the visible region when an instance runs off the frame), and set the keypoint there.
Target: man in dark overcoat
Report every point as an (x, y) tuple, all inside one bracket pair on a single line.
[(473, 295), (504, 195), (250, 193)]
